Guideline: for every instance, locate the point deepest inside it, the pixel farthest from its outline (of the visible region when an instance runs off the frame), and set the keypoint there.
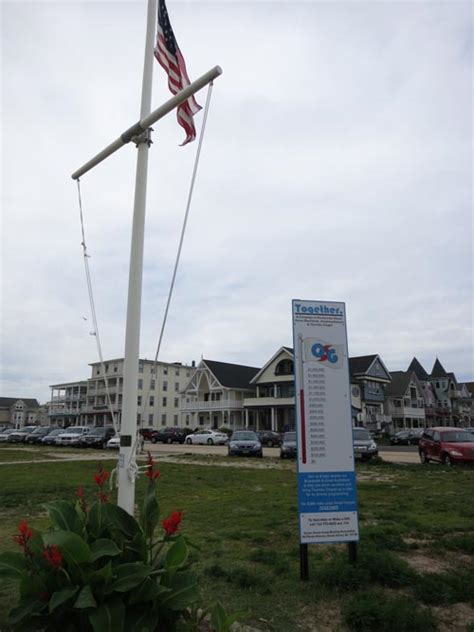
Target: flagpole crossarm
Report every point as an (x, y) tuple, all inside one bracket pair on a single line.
[(141, 126)]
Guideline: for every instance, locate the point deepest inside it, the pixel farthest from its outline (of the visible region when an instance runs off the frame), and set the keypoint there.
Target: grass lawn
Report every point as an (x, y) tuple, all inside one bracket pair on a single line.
[(415, 568)]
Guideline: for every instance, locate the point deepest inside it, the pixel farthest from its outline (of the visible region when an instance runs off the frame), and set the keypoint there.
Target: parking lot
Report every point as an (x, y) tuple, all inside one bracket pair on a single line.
[(394, 454)]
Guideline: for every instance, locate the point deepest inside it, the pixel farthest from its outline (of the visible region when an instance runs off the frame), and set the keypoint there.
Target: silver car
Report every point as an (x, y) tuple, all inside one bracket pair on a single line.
[(72, 435), (364, 446)]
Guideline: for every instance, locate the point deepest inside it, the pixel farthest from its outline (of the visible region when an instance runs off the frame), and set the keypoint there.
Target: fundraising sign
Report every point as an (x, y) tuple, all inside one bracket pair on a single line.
[(327, 499)]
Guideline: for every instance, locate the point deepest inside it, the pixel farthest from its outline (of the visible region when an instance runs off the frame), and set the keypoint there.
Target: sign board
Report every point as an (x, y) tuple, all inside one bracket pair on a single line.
[(327, 499)]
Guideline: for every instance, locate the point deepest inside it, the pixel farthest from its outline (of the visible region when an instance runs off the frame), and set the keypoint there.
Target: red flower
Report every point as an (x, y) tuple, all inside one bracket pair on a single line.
[(102, 476), (24, 536), (53, 556), (171, 524), (150, 473)]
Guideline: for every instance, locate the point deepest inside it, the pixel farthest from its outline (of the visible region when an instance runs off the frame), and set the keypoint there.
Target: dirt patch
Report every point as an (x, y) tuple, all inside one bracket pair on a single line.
[(455, 618), (425, 564)]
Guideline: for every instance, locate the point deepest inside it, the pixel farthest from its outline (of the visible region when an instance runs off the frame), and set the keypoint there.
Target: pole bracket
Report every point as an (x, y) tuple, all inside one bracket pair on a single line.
[(143, 138)]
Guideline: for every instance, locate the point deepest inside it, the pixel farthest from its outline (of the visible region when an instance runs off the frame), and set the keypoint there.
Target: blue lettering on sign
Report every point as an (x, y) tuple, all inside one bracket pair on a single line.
[(320, 492), (320, 309)]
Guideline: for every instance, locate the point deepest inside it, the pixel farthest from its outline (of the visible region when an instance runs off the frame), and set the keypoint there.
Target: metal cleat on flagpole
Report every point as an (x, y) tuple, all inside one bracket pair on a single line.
[(142, 126)]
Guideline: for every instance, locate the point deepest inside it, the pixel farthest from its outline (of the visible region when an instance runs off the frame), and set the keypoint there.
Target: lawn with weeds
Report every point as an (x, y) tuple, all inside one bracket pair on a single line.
[(244, 522)]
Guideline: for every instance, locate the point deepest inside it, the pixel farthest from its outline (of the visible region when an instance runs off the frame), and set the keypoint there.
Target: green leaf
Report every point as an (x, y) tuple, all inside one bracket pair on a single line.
[(118, 518), (183, 593), (64, 516), (60, 596), (129, 575), (108, 617), (138, 546), (143, 621), (72, 547), (12, 565), (147, 591), (85, 599), (150, 511), (102, 548), (26, 608), (220, 620), (101, 576), (177, 554), (95, 520)]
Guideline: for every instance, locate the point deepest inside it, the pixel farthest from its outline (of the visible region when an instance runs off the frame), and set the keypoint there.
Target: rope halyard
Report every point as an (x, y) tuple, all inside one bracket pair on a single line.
[(92, 306)]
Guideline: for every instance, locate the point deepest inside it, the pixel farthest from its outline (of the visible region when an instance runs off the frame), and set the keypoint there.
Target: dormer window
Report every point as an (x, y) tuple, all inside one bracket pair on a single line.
[(284, 367)]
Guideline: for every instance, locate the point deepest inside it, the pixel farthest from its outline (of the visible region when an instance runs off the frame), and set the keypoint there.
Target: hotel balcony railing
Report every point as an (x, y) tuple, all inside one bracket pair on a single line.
[(223, 404)]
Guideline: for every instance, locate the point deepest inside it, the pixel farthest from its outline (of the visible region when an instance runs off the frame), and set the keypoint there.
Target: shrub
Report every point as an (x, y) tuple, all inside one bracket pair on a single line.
[(100, 569), (366, 612)]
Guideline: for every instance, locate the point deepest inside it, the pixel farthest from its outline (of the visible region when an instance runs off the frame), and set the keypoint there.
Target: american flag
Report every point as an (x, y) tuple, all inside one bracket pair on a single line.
[(169, 56)]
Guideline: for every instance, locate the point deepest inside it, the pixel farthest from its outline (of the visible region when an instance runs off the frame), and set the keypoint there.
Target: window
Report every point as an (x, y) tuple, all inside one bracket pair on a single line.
[(139, 400), (176, 386), (176, 372), (175, 419), (397, 403), (165, 370), (165, 386), (176, 402), (284, 367), (163, 419), (150, 419), (413, 392), (152, 385), (140, 367), (115, 369), (164, 401), (139, 418), (106, 368), (152, 400), (187, 419), (140, 383), (188, 373)]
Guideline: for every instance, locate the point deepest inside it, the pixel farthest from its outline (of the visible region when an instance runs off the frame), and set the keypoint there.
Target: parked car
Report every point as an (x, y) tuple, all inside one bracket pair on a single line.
[(5, 434), (38, 434), (97, 437), (114, 443), (288, 448), (168, 435), (406, 437), (245, 443), (364, 446), (18, 436), (71, 436), (211, 437), (147, 433), (447, 445), (50, 438), (269, 438)]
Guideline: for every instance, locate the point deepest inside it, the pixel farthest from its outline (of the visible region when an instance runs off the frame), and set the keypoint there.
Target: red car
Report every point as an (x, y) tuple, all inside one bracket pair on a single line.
[(447, 445)]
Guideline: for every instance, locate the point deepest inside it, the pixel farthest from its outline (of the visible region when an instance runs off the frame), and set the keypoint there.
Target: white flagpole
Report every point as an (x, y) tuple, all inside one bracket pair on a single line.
[(126, 479)]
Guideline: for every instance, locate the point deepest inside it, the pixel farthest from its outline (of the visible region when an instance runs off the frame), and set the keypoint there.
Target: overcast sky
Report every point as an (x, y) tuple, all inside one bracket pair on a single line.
[(336, 165)]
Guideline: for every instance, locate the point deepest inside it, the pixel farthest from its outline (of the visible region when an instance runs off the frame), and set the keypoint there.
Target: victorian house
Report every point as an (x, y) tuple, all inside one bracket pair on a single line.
[(369, 378), (215, 395), (404, 401), (272, 405)]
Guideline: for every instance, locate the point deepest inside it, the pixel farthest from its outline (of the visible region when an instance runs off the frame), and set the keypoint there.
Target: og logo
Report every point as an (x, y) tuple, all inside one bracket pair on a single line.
[(324, 353)]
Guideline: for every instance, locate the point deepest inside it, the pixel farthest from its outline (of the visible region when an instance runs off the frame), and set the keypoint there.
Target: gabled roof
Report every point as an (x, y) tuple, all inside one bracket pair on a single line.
[(420, 372), (8, 402), (399, 384), (452, 377), (232, 375), (360, 364), (470, 387), (287, 350), (438, 370)]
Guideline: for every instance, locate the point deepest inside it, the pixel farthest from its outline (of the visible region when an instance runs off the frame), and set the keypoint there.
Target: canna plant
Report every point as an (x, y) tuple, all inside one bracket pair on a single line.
[(99, 569)]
